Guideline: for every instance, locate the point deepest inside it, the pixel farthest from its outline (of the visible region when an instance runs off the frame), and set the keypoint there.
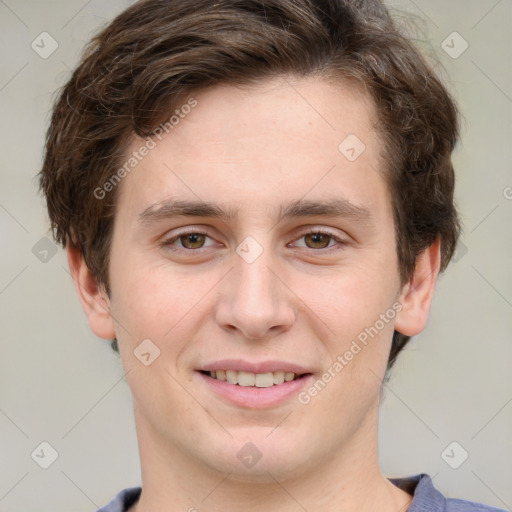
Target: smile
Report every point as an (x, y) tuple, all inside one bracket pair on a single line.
[(249, 379)]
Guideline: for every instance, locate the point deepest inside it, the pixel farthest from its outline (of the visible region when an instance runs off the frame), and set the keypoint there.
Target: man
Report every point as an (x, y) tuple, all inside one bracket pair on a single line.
[(256, 199)]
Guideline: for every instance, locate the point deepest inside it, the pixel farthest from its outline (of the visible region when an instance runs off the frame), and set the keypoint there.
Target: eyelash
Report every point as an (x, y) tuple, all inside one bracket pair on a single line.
[(167, 244)]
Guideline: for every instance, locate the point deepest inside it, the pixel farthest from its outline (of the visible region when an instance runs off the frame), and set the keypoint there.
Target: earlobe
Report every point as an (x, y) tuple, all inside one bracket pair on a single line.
[(93, 298), (416, 296)]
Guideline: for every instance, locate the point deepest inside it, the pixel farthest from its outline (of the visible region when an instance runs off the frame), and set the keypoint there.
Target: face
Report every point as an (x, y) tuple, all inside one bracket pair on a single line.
[(283, 262)]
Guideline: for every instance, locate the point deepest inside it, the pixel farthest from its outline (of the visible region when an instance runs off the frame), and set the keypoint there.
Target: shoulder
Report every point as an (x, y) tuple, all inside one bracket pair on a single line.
[(454, 505), (123, 501), (426, 498)]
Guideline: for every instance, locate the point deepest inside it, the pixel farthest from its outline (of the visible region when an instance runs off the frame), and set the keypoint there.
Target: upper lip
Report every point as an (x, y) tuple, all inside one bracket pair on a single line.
[(240, 365)]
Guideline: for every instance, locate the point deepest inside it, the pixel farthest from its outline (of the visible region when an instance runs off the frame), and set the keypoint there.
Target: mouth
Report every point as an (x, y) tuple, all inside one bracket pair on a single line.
[(249, 379), (253, 384)]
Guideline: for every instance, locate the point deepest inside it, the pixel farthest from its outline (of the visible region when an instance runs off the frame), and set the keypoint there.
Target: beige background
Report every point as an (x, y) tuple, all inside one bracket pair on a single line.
[(61, 384)]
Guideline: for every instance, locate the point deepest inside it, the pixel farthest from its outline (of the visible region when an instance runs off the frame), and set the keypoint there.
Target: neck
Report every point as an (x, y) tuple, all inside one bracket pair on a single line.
[(348, 480)]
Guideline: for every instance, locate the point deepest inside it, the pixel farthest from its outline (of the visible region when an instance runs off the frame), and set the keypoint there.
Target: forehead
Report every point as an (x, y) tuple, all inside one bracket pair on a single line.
[(284, 136)]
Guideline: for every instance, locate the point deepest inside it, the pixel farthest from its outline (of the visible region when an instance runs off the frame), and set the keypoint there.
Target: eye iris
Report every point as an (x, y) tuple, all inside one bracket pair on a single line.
[(318, 238), (196, 239)]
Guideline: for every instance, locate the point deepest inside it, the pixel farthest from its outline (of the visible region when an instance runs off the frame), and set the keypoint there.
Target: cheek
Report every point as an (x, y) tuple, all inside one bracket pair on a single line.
[(148, 297), (358, 348), (142, 311), (349, 298), (356, 303), (160, 304)]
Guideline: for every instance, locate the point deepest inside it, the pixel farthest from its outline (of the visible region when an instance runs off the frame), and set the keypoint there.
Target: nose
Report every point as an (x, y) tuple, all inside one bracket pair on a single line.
[(255, 301)]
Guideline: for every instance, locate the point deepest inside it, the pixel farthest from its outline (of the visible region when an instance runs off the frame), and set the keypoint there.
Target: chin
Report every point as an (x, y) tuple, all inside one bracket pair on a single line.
[(259, 458)]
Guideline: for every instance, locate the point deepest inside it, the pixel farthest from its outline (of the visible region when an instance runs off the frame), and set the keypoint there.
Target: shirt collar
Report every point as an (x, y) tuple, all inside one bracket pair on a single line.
[(425, 496)]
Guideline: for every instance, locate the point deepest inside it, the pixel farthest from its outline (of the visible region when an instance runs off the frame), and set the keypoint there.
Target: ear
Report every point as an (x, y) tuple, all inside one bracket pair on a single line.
[(416, 296), (94, 299)]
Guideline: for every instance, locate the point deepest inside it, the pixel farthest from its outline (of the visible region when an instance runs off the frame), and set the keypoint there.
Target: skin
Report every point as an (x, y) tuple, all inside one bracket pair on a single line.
[(252, 149)]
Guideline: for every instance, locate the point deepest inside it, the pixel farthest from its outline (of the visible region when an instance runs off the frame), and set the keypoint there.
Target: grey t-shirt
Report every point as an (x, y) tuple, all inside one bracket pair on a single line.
[(426, 498)]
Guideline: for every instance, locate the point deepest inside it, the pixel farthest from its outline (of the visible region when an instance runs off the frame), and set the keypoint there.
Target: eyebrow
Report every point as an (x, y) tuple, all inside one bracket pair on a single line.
[(335, 207)]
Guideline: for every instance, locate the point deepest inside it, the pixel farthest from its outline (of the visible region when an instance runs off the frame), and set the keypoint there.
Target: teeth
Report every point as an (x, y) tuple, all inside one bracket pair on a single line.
[(264, 380), (278, 377), (248, 379), (232, 376)]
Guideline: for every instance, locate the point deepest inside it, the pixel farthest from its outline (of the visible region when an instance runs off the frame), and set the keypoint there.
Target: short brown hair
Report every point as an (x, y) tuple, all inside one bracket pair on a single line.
[(133, 71)]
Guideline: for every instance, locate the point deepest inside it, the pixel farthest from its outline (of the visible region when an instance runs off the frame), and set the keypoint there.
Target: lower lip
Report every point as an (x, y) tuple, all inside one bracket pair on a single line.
[(251, 397)]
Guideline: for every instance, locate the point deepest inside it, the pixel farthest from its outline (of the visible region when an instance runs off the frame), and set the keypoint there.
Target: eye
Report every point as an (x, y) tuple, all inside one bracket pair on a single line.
[(189, 240), (319, 239), (315, 240)]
